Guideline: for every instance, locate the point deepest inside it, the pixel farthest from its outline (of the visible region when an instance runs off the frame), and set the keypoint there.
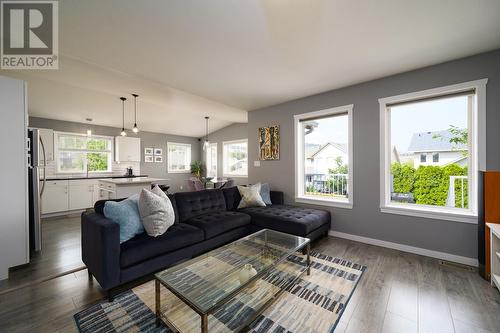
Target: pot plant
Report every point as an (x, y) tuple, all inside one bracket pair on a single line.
[(197, 169)]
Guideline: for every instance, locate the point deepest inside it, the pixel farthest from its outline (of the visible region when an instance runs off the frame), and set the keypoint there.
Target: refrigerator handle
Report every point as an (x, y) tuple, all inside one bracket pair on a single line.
[(44, 163)]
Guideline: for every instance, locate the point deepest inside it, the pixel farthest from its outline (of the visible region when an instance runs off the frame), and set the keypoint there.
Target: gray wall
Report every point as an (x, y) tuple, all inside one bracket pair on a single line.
[(235, 131), (365, 219), (148, 139)]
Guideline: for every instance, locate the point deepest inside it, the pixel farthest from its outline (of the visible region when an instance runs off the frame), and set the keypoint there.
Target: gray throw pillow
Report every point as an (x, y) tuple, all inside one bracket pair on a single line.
[(250, 196), (265, 193), (156, 211)]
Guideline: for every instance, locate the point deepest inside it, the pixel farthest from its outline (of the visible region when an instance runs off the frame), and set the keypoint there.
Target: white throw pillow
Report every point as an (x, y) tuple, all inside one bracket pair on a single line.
[(250, 196), (157, 213)]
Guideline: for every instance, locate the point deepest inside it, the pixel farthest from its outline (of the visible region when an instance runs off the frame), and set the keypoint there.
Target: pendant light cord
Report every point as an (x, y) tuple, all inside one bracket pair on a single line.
[(135, 108), (206, 128), (123, 112)]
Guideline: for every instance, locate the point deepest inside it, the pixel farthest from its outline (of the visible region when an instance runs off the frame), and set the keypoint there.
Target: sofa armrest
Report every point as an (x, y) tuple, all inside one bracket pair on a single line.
[(277, 198), (101, 248)]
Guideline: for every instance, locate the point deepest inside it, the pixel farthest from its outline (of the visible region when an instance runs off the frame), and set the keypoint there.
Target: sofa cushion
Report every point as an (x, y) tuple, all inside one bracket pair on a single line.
[(191, 204), (144, 247), (232, 197), (216, 223), (295, 220)]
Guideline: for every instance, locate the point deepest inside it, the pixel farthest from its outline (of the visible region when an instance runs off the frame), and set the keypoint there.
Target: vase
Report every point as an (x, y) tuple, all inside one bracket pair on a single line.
[(246, 273)]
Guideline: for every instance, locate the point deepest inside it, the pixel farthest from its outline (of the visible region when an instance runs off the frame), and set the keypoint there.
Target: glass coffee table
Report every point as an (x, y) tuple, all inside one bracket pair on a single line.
[(213, 280)]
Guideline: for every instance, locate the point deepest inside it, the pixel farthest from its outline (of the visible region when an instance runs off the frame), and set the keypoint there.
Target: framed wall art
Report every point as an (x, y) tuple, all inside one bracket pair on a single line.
[(269, 143)]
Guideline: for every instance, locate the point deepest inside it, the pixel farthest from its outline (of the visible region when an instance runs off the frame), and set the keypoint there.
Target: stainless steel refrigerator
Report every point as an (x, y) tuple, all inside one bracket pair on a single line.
[(36, 185)]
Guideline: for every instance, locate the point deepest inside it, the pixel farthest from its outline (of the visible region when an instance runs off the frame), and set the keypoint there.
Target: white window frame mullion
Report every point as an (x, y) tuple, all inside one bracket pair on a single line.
[(299, 157), (187, 157), (86, 151), (209, 152), (224, 162), (477, 152)]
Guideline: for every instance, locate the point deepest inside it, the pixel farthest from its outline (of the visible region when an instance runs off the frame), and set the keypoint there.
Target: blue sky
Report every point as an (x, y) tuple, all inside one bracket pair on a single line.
[(435, 115), (428, 116), (329, 130)]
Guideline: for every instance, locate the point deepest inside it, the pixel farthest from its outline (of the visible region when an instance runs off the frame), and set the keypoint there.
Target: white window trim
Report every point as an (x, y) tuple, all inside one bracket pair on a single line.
[(299, 161), (477, 149), (225, 174), (56, 152), (212, 144), (190, 157)]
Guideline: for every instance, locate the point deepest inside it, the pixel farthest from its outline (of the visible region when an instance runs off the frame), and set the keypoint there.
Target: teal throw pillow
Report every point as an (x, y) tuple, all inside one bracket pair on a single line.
[(126, 214)]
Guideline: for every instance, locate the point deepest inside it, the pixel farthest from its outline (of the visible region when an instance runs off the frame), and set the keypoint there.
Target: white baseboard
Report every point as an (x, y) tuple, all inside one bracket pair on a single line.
[(407, 248)]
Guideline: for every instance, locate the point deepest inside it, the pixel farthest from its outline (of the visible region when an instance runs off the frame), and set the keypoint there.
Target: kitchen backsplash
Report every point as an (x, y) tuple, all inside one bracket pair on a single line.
[(118, 169)]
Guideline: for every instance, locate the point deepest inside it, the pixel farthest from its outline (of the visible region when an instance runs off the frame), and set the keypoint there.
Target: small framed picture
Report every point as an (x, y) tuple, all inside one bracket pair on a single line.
[(158, 152), (159, 159), (148, 151), (148, 159)]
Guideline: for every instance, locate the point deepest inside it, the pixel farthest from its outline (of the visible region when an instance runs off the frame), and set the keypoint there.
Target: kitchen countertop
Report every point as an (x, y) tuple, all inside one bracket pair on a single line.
[(128, 181), (94, 177)]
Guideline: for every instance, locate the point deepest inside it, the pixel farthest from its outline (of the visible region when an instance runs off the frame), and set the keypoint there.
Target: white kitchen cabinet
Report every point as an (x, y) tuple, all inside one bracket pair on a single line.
[(127, 149), (81, 194), (106, 191), (55, 197), (47, 136), (97, 193)]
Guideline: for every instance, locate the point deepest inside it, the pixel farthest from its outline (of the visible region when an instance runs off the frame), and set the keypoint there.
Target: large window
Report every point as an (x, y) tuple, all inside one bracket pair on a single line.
[(77, 153), (211, 160), (179, 157), (429, 168), (324, 157), (235, 158)]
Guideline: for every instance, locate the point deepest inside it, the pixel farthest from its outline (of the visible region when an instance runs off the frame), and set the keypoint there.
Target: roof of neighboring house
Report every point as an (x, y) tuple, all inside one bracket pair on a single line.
[(456, 161), (313, 152), (395, 153), (434, 141)]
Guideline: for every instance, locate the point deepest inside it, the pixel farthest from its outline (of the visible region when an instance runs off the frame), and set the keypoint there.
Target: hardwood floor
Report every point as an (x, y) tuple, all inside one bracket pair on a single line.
[(399, 292), (61, 252)]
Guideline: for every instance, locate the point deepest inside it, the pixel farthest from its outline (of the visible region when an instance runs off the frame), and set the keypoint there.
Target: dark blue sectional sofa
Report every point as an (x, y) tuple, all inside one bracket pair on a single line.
[(204, 220)]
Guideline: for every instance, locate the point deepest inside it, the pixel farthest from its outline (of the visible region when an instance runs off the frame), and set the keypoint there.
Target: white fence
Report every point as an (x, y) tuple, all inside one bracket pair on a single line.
[(451, 199), (327, 184)]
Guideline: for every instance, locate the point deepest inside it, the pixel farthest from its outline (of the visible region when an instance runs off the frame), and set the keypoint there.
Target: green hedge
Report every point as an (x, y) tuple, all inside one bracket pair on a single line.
[(429, 184)]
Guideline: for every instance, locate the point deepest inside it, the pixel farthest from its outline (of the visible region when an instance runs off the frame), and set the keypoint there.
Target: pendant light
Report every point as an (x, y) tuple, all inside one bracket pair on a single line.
[(206, 143), (135, 129), (123, 133)]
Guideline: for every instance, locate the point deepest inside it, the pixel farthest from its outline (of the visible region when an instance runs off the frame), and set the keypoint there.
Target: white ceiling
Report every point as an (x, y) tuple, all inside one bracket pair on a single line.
[(79, 90), (246, 54)]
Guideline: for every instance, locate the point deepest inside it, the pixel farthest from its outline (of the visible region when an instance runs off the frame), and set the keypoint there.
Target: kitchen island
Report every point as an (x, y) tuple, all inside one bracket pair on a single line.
[(116, 188)]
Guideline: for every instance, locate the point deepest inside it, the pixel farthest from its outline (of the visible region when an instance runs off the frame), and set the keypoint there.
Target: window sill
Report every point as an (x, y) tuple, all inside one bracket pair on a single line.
[(325, 202), (172, 171), (235, 176), (430, 213)]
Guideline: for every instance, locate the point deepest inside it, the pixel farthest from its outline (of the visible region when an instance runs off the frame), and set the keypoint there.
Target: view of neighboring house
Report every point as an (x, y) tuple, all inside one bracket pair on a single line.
[(321, 158), (435, 148)]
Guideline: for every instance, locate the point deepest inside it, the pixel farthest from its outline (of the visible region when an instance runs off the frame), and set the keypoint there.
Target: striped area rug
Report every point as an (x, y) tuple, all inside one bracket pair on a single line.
[(314, 303)]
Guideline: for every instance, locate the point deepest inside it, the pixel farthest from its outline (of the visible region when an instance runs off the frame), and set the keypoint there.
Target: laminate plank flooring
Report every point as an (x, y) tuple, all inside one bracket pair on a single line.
[(61, 252), (399, 292)]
